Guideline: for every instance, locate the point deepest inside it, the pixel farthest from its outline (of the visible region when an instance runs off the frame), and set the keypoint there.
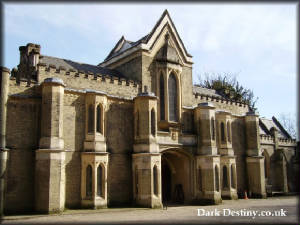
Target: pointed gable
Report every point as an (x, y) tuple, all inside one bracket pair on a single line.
[(147, 43), (164, 21), (121, 46)]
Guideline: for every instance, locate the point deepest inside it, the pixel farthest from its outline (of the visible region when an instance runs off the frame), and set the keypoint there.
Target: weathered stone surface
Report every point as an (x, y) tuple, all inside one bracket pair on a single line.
[(50, 145)]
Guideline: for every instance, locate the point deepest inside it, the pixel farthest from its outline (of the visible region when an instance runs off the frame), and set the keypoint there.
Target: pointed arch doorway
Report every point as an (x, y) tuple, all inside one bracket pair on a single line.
[(176, 177)]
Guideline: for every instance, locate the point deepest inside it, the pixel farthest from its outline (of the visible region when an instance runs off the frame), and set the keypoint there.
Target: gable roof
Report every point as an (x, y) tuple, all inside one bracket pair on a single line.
[(265, 126), (68, 64), (124, 45)]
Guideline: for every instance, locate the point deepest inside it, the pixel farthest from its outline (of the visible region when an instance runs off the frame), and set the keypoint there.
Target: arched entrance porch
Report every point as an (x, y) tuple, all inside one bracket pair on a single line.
[(176, 176)]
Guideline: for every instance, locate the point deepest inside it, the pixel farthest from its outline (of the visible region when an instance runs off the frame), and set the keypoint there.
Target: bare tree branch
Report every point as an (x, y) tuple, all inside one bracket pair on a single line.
[(288, 121)]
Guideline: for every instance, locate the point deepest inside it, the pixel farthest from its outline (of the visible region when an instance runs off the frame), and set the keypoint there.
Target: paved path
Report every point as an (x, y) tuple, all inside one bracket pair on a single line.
[(180, 214)]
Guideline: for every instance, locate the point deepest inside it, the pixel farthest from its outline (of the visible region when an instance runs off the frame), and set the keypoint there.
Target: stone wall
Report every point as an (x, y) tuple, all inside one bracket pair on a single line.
[(187, 86), (73, 179), (23, 127), (239, 148), (187, 120), (289, 154), (119, 139), (74, 121), (131, 69), (149, 73), (79, 80), (233, 107)]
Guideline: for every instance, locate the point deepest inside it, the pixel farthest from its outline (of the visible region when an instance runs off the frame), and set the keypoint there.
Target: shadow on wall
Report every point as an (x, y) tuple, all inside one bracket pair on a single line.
[(119, 139), (73, 158), (23, 115), (239, 147)]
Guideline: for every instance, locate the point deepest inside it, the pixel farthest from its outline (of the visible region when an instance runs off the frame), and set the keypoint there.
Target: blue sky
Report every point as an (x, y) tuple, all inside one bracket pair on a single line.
[(255, 41)]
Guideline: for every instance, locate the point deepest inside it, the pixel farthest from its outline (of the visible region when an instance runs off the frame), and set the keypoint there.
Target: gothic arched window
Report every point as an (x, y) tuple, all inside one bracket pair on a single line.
[(233, 176), (228, 131), (155, 180), (136, 176), (100, 176), (99, 119), (217, 178), (153, 123), (137, 124), (266, 163), (199, 179), (225, 179), (222, 132), (162, 97), (91, 119), (88, 181), (212, 126), (172, 90)]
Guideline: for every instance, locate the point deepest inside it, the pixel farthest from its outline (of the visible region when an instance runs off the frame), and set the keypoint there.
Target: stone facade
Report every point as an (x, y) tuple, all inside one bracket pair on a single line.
[(131, 130)]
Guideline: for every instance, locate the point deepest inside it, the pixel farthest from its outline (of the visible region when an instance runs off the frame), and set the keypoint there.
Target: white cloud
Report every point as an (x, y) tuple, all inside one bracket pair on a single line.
[(257, 39)]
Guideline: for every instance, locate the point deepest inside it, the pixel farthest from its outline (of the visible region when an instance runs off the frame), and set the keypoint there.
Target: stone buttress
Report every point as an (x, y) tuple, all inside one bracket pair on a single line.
[(254, 160), (228, 159), (4, 85), (146, 159), (50, 157), (207, 188), (94, 158)]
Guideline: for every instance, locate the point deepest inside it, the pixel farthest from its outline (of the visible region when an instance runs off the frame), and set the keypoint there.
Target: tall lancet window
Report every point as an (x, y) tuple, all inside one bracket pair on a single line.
[(225, 180), (100, 171), (228, 131), (212, 126), (91, 119), (172, 87), (162, 97), (88, 181), (155, 180), (222, 132), (217, 178), (99, 119), (153, 122), (232, 176)]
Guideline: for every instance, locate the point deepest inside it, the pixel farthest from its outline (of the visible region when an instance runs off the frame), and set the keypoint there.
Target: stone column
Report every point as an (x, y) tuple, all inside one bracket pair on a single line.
[(94, 155), (227, 154), (274, 133), (95, 136), (4, 79), (145, 107), (229, 191), (225, 146), (207, 185), (209, 191), (146, 160), (99, 164), (254, 160), (147, 181), (50, 157)]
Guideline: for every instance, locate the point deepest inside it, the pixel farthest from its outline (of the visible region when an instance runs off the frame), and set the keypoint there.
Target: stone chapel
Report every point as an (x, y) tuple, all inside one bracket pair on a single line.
[(132, 130)]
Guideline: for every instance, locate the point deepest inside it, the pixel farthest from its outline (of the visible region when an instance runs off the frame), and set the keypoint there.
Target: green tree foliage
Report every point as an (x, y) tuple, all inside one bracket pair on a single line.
[(228, 87)]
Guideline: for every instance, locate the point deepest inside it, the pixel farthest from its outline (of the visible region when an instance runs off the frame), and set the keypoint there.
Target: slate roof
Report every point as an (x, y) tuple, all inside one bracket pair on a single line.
[(205, 91), (127, 45), (265, 126), (68, 64)]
